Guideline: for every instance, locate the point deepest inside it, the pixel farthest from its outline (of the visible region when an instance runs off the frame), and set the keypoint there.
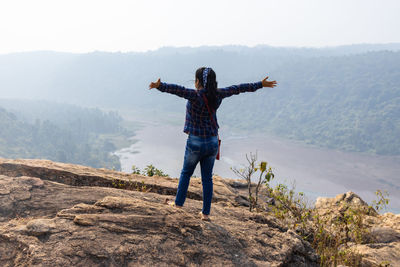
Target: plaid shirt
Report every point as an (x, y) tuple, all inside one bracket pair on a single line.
[(197, 116)]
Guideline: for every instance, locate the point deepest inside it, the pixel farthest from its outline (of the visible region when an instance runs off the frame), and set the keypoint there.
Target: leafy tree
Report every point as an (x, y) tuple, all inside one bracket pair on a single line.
[(62, 137)]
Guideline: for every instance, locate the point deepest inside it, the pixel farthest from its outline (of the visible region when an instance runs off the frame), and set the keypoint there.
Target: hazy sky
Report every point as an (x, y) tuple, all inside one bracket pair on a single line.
[(119, 25)]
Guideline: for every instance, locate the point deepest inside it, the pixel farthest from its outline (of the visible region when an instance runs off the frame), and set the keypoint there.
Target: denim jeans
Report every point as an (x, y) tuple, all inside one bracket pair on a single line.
[(203, 150)]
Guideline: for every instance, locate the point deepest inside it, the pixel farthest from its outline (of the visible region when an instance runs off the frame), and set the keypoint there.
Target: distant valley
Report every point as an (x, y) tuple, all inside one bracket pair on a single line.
[(345, 98)]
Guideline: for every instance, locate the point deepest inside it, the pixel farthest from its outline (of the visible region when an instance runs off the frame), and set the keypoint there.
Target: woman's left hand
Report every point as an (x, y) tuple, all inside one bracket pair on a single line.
[(266, 83), (155, 84)]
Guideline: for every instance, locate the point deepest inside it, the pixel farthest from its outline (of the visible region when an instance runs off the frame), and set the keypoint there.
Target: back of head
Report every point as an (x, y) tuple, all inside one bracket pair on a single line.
[(211, 86)]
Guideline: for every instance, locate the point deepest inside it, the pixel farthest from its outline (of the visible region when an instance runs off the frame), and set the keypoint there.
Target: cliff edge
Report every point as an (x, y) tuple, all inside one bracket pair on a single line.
[(55, 214)]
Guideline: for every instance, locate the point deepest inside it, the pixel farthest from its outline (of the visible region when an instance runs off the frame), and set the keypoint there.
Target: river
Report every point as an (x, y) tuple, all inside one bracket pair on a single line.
[(315, 171)]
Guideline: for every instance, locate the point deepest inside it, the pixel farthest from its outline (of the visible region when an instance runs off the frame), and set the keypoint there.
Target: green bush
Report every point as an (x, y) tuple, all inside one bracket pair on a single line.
[(150, 170), (331, 234), (135, 170)]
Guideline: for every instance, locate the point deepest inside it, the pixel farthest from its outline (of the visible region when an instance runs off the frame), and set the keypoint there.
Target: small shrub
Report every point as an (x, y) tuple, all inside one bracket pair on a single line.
[(382, 201), (135, 170), (150, 170), (142, 187), (117, 183), (130, 185), (330, 234), (290, 207), (247, 172)]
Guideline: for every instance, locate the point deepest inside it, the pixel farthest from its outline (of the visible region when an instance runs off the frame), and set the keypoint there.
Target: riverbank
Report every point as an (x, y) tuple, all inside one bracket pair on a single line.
[(315, 171)]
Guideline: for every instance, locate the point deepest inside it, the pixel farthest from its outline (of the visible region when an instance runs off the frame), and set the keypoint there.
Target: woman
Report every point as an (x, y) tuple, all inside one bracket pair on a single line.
[(202, 127)]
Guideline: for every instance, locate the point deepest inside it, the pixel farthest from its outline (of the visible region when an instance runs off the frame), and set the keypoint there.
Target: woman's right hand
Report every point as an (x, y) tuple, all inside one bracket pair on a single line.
[(266, 83), (155, 84)]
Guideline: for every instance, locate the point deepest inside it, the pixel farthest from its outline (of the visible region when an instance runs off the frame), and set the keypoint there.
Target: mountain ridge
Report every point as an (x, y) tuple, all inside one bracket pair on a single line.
[(345, 101)]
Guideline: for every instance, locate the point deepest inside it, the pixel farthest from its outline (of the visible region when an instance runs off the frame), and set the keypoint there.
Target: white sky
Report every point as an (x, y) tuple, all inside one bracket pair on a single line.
[(140, 25)]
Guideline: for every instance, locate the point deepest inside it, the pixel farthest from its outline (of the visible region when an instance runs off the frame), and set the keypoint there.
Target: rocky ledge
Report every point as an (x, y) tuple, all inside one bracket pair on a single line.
[(55, 214), (381, 246)]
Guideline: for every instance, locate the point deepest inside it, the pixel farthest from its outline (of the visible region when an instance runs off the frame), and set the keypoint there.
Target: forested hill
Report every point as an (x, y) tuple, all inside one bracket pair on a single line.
[(343, 97), (58, 132), (121, 79), (350, 102)]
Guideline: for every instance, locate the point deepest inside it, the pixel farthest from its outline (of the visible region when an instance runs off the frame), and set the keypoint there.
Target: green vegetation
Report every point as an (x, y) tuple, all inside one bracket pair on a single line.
[(61, 133), (246, 173), (135, 170), (130, 185), (382, 201), (350, 103), (331, 233), (150, 170), (344, 98), (289, 206)]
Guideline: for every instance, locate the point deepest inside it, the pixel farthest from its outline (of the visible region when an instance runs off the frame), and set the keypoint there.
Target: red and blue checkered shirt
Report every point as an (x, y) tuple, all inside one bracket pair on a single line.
[(198, 120)]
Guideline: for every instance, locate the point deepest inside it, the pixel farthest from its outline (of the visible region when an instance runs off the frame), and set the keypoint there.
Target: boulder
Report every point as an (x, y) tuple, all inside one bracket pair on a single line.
[(341, 203), (382, 238)]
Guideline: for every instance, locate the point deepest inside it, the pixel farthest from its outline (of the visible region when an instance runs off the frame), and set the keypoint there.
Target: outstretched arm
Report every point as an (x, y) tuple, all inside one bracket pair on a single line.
[(174, 89), (245, 87)]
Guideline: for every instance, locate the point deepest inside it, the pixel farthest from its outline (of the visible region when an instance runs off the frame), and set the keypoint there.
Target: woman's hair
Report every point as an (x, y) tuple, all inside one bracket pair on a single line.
[(212, 85)]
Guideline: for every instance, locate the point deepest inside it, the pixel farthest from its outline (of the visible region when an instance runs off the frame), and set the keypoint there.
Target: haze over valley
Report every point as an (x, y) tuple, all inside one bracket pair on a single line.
[(332, 122)]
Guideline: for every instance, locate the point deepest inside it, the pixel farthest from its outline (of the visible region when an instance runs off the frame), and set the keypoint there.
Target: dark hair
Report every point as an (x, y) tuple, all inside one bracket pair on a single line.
[(212, 85)]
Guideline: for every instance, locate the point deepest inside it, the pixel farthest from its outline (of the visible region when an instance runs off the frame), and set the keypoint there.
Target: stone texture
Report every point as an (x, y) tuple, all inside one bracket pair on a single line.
[(225, 190), (342, 202), (55, 214), (382, 246)]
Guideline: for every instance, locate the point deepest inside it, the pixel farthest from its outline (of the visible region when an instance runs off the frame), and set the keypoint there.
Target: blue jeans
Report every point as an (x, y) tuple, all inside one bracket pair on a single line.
[(203, 150)]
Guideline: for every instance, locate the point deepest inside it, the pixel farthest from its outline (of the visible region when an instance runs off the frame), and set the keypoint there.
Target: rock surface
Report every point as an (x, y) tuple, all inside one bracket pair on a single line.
[(55, 214), (342, 202), (225, 190), (382, 246)]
